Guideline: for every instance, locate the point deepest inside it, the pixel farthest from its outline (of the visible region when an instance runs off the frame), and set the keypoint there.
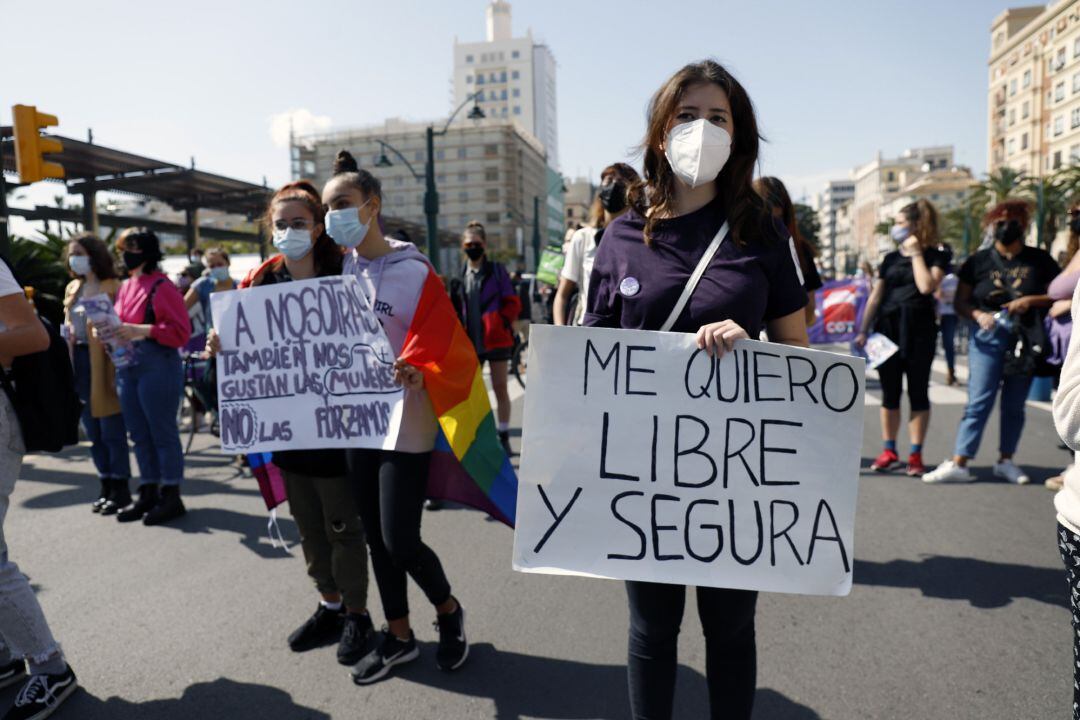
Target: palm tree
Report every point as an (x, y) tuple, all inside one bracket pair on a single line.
[(38, 263), (1051, 196), (999, 185)]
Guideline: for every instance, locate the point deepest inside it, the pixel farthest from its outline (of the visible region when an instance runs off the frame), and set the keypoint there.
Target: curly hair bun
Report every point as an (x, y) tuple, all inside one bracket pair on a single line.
[(345, 163)]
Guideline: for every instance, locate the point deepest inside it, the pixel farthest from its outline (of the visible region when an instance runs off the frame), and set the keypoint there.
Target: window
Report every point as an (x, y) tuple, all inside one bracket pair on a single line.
[(479, 79), (1012, 146), (1061, 58), (515, 55), (1057, 159), (440, 154), (1075, 119), (502, 95), (493, 78), (491, 150), (1076, 83), (463, 177), (491, 219), (890, 177), (1025, 110), (517, 109), (463, 196), (517, 92), (1012, 86), (1012, 117), (479, 96), (569, 212), (504, 111), (1059, 125), (1074, 154), (491, 175), (468, 58), (491, 195), (1076, 47), (515, 75), (468, 79), (1059, 92), (502, 76), (1024, 141), (1027, 78)]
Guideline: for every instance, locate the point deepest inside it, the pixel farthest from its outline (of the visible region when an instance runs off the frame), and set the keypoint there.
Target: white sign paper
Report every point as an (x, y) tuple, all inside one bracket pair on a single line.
[(878, 349), (645, 459), (304, 365)]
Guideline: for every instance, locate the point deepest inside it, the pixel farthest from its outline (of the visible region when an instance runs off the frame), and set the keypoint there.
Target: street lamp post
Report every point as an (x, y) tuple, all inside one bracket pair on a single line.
[(431, 193)]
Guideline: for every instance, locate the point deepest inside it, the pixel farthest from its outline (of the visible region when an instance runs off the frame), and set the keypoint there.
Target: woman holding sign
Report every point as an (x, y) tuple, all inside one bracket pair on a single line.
[(391, 484), (699, 251), (320, 495), (94, 274), (902, 308)]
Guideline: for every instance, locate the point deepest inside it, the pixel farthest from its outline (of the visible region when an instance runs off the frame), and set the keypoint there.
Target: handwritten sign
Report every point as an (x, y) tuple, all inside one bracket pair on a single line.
[(304, 365), (645, 459)]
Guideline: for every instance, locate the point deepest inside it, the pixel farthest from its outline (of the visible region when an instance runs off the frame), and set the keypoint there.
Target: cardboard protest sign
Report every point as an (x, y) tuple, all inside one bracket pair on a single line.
[(645, 459), (304, 365)]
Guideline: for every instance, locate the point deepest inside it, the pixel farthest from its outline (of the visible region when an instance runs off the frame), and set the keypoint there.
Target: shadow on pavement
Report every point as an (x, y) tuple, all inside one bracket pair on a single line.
[(528, 686), (221, 698), (251, 528), (982, 583)]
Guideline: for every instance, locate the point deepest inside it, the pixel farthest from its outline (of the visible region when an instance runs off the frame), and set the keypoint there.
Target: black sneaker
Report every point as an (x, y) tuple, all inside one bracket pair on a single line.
[(432, 504), (453, 647), (169, 507), (322, 628), (357, 638), (13, 672), (390, 652), (41, 695)]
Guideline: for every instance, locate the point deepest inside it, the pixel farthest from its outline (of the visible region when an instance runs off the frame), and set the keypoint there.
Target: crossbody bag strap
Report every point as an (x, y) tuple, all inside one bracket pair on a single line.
[(691, 283)]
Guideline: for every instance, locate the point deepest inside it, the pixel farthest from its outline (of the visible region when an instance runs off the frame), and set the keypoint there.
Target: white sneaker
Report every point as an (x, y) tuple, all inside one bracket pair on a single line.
[(1007, 470), (948, 472)]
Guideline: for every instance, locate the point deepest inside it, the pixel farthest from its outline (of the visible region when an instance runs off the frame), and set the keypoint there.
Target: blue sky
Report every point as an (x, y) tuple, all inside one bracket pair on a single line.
[(833, 82)]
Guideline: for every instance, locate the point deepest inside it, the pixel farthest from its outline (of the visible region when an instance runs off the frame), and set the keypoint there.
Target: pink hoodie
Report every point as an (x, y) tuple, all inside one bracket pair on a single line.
[(392, 284)]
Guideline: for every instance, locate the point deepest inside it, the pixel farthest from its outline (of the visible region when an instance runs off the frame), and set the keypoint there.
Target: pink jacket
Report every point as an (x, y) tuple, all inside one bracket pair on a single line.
[(172, 327)]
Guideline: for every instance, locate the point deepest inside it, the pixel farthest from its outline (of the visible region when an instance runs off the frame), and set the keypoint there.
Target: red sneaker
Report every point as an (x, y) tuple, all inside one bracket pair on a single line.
[(886, 461), (915, 467)]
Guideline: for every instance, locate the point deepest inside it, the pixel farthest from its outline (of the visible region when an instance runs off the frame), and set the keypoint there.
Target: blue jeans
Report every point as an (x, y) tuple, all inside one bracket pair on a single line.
[(986, 359), (107, 435), (948, 339), (150, 392)]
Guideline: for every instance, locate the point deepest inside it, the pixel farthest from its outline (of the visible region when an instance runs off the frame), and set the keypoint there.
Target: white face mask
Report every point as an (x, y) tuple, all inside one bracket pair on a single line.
[(79, 264), (293, 244), (697, 151), (345, 228)]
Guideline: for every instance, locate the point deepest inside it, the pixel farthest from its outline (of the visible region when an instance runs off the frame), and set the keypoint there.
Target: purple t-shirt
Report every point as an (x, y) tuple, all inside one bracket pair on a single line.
[(635, 286)]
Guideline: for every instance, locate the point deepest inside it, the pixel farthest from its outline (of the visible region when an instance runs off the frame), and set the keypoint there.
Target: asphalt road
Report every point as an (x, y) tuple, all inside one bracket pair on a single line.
[(958, 610)]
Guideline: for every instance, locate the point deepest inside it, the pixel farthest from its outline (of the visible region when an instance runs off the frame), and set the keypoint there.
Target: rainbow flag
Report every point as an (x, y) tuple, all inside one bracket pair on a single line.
[(469, 464)]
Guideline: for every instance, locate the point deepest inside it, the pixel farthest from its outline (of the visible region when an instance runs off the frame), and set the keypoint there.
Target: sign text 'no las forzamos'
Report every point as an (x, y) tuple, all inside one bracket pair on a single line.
[(645, 459), (304, 364)]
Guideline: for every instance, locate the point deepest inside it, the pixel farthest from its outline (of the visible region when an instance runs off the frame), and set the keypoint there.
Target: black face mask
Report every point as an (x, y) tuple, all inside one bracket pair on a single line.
[(474, 252), (613, 197), (1074, 224), (1008, 233), (133, 260)]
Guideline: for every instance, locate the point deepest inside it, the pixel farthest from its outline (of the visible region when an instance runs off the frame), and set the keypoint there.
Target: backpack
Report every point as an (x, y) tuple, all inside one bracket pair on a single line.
[(41, 387)]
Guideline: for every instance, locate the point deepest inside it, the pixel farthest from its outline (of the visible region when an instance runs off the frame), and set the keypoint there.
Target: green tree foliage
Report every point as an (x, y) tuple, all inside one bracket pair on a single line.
[(809, 227), (38, 263)]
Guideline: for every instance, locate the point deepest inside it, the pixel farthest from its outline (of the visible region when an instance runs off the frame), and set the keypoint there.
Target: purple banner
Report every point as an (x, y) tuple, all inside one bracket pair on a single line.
[(840, 306)]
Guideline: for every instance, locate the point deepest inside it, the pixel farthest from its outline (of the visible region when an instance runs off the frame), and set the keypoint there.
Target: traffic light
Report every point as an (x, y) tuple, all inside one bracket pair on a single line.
[(30, 146)]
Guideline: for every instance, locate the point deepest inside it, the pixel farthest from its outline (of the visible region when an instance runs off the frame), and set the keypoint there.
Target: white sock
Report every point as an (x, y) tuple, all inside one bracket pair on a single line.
[(330, 606), (504, 427)]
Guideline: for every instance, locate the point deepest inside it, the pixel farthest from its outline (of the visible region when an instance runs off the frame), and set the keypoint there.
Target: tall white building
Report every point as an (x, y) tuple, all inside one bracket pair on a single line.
[(836, 195), (514, 78)]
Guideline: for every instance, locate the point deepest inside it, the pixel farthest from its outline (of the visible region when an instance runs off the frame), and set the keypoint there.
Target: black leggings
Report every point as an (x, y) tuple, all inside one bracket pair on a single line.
[(390, 488), (916, 366), (1069, 545), (727, 617)]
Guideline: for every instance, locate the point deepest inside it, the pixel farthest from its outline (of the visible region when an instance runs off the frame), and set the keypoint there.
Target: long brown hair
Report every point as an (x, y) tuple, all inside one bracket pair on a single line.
[(326, 254), (746, 210), (777, 196), (101, 260), (923, 218), (621, 171)]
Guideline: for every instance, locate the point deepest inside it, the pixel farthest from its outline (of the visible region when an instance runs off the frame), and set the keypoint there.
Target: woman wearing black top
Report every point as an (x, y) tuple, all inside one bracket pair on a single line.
[(902, 308), (321, 498)]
